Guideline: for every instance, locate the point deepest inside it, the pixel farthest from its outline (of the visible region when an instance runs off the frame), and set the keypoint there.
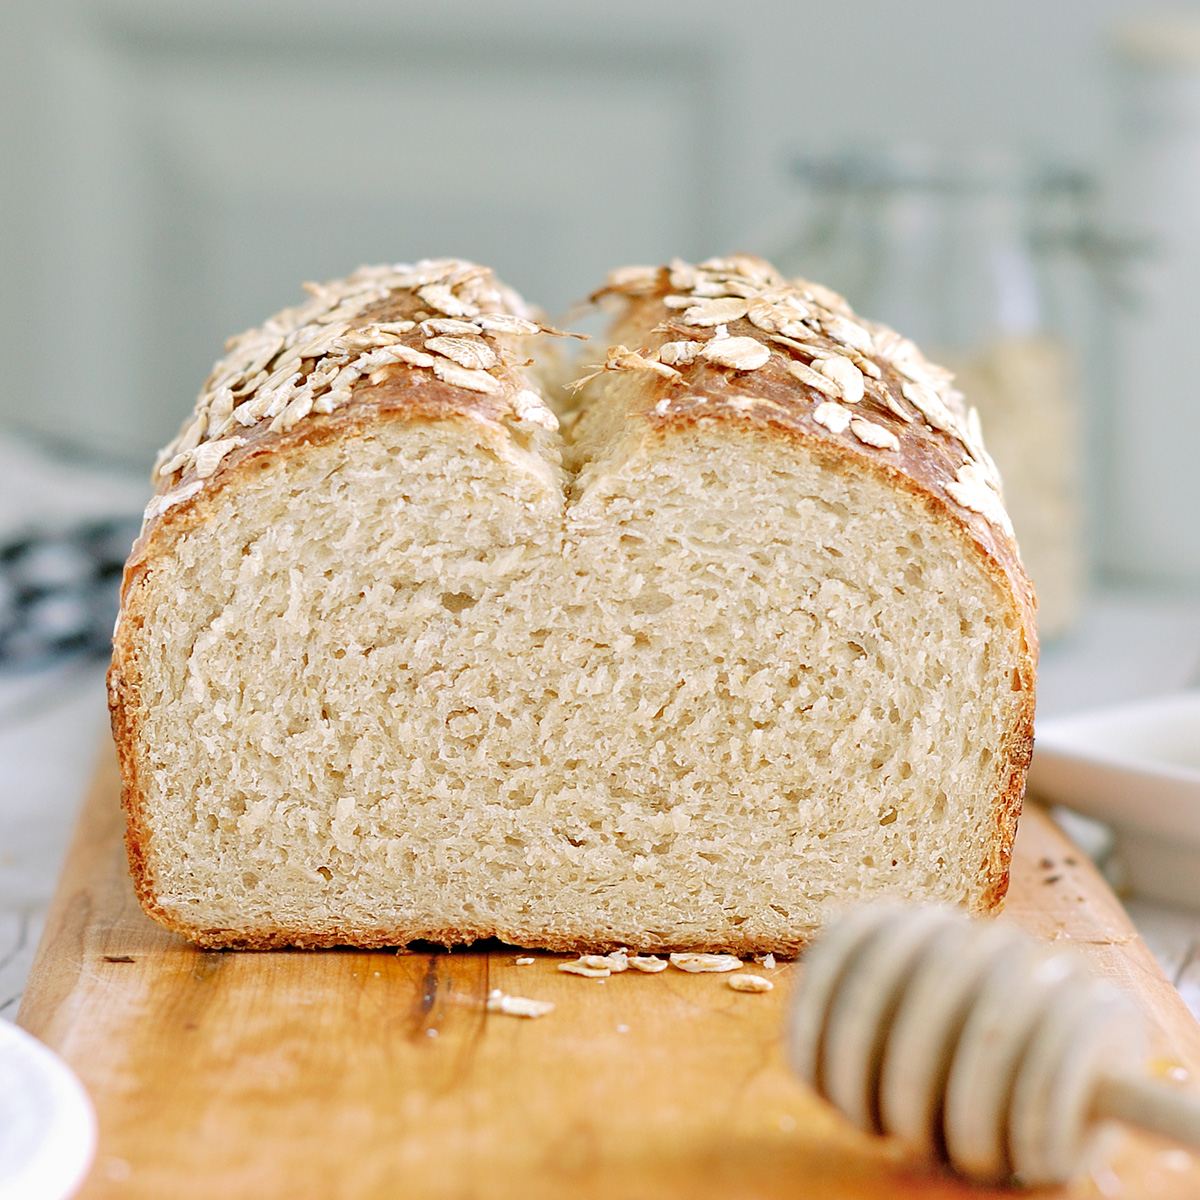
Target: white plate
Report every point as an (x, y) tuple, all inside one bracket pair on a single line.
[(1136, 766), (47, 1124)]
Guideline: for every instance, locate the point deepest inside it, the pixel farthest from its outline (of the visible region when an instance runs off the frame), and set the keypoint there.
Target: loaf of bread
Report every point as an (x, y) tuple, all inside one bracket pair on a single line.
[(744, 641)]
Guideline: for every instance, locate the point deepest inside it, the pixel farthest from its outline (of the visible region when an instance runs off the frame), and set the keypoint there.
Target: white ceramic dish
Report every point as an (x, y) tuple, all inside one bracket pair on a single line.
[(1136, 766), (47, 1124)]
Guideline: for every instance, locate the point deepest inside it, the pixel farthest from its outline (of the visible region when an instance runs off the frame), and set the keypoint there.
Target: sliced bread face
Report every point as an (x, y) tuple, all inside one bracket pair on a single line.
[(396, 673)]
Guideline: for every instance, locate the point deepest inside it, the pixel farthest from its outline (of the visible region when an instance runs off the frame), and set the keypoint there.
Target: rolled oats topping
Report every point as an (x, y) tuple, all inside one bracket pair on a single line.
[(306, 360)]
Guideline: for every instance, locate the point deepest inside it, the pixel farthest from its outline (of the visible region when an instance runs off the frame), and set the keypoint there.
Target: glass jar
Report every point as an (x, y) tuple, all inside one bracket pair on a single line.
[(989, 264)]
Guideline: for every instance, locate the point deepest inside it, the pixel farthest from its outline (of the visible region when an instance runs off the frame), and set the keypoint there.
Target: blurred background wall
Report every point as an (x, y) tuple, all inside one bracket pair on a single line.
[(170, 170)]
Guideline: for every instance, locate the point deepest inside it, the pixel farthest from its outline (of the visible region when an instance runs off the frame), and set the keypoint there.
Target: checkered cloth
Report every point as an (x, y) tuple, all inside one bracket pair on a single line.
[(59, 592)]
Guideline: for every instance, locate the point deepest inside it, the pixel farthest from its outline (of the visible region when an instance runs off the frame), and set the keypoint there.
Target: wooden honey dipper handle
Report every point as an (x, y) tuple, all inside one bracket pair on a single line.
[(971, 1042), (1149, 1105)]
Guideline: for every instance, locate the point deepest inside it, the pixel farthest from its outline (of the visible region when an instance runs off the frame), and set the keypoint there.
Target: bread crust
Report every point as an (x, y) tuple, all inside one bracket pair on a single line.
[(927, 463)]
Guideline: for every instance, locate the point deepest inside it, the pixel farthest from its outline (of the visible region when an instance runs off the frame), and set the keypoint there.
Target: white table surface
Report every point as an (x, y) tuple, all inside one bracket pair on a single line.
[(1126, 646)]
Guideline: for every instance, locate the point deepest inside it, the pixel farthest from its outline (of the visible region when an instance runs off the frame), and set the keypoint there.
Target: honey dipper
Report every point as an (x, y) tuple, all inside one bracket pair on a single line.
[(974, 1044)]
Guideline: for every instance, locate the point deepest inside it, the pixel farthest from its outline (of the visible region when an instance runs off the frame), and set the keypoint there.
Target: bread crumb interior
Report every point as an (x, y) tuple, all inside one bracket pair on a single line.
[(697, 694)]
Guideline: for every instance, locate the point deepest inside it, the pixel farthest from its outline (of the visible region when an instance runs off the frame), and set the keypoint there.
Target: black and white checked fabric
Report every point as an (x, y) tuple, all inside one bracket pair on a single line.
[(59, 592)]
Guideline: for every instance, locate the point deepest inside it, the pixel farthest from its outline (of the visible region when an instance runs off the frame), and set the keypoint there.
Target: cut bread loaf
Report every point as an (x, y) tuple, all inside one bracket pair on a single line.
[(398, 659)]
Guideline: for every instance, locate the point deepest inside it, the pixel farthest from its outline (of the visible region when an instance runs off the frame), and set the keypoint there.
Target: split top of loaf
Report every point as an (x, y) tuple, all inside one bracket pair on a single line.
[(743, 641)]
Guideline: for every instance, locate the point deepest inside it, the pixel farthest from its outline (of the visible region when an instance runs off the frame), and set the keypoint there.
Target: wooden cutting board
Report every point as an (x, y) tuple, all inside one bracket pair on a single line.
[(356, 1075)]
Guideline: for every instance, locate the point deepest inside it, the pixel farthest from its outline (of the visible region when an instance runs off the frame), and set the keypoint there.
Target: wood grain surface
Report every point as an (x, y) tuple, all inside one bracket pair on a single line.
[(368, 1074)]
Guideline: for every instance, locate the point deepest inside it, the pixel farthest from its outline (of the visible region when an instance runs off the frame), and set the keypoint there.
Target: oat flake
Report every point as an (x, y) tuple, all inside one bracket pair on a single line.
[(834, 417), (740, 353), (697, 963), (874, 435)]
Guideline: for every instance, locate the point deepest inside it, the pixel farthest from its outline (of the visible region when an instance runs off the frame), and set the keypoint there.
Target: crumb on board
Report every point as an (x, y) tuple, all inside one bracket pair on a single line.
[(648, 964), (696, 963), (750, 983), (517, 1006)]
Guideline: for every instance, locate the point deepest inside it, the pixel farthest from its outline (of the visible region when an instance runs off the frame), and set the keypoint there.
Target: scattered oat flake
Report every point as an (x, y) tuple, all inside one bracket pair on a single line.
[(591, 966), (518, 1006), (525, 962), (750, 983), (648, 964), (696, 963), (618, 961), (740, 353), (766, 961), (834, 417)]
